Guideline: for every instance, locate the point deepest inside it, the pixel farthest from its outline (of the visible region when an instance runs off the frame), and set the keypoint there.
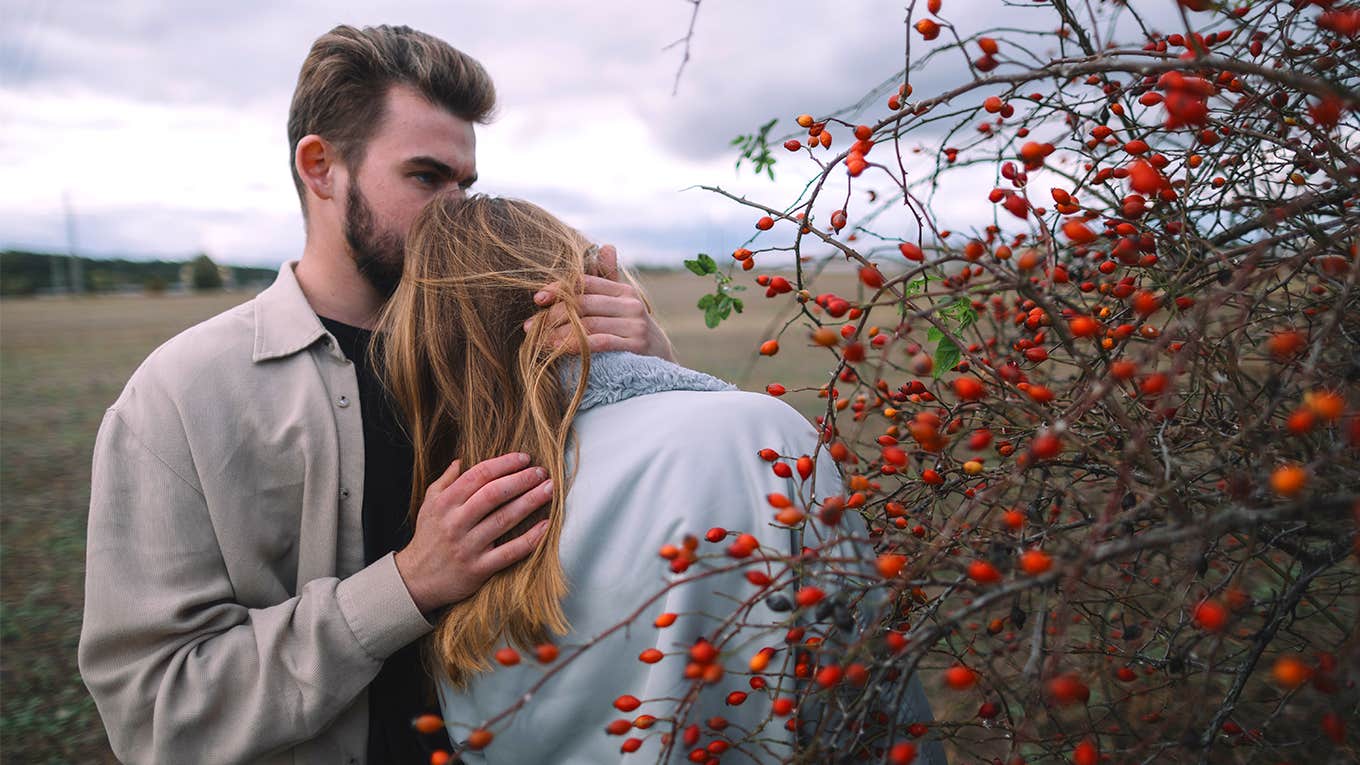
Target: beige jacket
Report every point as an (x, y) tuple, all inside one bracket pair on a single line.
[(228, 613)]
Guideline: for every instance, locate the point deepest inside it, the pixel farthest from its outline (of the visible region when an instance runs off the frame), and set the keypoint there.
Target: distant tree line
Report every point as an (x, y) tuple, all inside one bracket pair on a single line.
[(29, 273)]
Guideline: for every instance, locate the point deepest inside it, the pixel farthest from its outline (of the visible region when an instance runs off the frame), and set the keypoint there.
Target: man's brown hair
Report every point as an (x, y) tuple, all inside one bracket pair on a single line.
[(342, 88)]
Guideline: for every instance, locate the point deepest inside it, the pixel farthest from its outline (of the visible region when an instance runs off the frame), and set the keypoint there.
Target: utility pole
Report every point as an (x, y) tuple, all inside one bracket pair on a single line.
[(77, 271)]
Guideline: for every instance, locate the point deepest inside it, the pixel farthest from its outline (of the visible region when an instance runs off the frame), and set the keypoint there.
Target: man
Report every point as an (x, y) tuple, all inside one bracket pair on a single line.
[(253, 589)]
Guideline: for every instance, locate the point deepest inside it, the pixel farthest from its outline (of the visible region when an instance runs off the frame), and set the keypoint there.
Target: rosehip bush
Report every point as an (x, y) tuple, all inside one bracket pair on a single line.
[(1102, 438)]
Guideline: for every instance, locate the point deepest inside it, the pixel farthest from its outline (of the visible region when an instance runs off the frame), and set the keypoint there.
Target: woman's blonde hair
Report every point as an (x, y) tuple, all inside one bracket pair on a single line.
[(470, 384)]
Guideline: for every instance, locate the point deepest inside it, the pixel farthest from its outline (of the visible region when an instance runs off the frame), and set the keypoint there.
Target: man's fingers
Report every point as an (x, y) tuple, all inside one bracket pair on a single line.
[(493, 526), (592, 285), (591, 305), (515, 550), (446, 480), (473, 479), (603, 343), (495, 493), (596, 285), (607, 263), (564, 338)]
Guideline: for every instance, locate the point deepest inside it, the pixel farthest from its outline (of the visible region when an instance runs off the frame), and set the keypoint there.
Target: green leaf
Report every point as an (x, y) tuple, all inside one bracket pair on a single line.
[(696, 267), (736, 304), (711, 318), (947, 356), (915, 286), (932, 335), (963, 313), (706, 301), (709, 265)]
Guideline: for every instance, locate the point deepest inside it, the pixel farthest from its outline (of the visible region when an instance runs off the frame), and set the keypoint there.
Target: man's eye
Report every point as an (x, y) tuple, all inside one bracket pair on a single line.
[(427, 179)]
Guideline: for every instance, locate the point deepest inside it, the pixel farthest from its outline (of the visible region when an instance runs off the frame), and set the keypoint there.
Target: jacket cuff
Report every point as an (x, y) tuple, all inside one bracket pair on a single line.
[(379, 609)]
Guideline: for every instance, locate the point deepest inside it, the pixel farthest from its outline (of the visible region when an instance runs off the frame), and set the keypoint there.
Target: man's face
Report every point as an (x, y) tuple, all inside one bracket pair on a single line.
[(418, 151)]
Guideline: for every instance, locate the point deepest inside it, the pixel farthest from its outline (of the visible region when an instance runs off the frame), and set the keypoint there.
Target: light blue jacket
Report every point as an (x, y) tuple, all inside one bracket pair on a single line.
[(664, 451)]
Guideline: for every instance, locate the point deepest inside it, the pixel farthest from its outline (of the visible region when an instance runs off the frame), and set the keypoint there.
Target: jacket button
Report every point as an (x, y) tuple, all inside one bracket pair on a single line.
[(342, 401)]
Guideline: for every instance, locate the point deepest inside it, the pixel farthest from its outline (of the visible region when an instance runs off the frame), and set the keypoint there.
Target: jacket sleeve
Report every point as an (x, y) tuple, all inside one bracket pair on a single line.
[(179, 670)]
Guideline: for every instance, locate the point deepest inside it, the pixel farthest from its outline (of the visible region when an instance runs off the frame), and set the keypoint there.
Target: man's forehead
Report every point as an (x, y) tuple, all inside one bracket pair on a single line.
[(414, 128)]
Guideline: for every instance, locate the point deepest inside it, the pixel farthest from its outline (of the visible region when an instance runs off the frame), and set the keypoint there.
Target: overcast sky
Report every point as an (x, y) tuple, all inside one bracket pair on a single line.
[(163, 122)]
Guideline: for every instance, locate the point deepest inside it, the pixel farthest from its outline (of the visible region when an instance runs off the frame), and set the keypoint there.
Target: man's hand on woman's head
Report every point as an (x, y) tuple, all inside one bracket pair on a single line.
[(614, 314)]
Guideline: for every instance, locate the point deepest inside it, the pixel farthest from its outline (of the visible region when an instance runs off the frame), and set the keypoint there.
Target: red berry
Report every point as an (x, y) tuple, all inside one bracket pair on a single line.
[(1211, 615), (959, 677), (982, 572), (969, 389)]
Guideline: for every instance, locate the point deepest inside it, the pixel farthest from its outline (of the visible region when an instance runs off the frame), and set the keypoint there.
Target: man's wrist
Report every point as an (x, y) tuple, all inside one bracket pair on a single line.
[(407, 568)]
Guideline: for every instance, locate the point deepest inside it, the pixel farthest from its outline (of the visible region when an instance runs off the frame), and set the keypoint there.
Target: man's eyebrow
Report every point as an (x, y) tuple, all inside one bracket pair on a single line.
[(432, 164)]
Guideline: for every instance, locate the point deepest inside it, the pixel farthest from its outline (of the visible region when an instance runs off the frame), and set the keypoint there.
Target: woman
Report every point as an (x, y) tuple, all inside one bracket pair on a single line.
[(642, 452)]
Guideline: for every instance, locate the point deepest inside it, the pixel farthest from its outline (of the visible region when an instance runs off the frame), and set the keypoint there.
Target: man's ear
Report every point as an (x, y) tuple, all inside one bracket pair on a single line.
[(317, 162)]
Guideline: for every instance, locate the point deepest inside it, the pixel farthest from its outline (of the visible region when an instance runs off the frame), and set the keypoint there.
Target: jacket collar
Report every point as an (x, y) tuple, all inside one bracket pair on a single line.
[(619, 375), (284, 321)]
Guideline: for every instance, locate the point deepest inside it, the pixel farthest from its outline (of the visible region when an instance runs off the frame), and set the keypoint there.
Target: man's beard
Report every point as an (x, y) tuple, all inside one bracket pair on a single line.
[(377, 254)]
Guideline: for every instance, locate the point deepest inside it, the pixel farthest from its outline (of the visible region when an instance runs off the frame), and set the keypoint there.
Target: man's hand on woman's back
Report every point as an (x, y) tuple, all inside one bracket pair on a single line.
[(453, 550)]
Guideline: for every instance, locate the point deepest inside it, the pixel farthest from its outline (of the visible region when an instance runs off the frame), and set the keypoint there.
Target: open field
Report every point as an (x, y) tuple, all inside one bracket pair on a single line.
[(63, 361)]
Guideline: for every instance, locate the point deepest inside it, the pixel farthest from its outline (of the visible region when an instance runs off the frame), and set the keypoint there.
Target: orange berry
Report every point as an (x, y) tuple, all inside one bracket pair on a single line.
[(1086, 753), (871, 277), (1211, 616), (627, 703), (664, 620), (1286, 343), (507, 657), (1035, 562), (959, 677), (1078, 232), (769, 348), (1289, 672), (1084, 326), (546, 653), (1289, 480), (969, 389), (805, 120), (479, 739), (1329, 405), (1068, 689), (1045, 446), (982, 572), (1146, 303), (890, 565), (902, 753), (428, 724), (650, 656)]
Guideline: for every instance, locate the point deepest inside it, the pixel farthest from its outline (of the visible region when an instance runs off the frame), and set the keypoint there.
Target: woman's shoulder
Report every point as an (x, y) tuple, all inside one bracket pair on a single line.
[(729, 413)]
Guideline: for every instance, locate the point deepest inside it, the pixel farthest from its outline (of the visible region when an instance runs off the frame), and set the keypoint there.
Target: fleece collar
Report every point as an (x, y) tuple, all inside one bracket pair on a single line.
[(619, 375)]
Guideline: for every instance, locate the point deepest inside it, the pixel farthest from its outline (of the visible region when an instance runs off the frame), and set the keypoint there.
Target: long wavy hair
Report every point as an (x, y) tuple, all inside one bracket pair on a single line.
[(470, 384)]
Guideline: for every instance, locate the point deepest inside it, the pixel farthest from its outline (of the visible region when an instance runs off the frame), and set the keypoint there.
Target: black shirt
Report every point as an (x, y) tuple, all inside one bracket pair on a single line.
[(401, 691)]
